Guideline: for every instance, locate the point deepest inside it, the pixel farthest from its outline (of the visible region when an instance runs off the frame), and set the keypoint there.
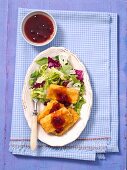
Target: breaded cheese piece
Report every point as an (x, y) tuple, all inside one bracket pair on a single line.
[(75, 115), (67, 127), (59, 93), (51, 106), (63, 113), (70, 117)]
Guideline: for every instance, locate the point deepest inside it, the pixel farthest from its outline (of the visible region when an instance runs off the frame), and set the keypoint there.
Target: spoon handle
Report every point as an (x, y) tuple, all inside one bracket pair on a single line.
[(33, 138)]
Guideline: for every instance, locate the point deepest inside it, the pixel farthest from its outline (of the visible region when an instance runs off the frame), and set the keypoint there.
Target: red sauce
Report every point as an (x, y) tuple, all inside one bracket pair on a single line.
[(55, 107), (59, 130), (38, 28), (39, 85), (65, 83), (46, 102), (62, 97), (58, 122)]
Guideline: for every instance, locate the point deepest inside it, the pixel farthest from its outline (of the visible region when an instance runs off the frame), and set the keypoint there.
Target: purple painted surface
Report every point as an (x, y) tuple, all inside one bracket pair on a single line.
[(8, 28)]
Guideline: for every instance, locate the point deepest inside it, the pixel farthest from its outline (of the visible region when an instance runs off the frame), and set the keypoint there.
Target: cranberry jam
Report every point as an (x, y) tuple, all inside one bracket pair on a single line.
[(38, 28), (58, 123), (62, 97)]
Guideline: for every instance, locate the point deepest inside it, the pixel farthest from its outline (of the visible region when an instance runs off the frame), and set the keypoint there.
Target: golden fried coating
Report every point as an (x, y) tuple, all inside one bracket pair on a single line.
[(62, 94), (56, 120), (47, 124), (60, 121), (67, 127), (75, 115), (53, 105)]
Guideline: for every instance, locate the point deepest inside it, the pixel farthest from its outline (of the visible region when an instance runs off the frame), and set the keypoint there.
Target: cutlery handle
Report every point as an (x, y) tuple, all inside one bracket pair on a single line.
[(33, 138)]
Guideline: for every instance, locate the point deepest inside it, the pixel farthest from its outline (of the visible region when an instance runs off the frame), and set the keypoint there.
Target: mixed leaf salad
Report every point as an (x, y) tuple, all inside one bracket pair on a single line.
[(56, 70)]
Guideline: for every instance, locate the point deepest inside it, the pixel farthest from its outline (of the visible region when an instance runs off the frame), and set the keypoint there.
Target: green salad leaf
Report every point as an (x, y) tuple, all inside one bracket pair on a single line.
[(43, 70), (79, 104), (42, 61), (82, 89), (66, 69), (57, 57), (35, 74), (39, 94), (54, 78), (73, 78), (32, 81), (44, 76)]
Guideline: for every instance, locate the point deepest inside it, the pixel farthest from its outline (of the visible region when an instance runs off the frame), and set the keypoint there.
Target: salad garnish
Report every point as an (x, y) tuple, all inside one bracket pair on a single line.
[(59, 71)]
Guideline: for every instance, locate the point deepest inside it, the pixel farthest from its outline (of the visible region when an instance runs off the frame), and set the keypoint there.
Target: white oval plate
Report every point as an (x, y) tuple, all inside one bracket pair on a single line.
[(76, 130)]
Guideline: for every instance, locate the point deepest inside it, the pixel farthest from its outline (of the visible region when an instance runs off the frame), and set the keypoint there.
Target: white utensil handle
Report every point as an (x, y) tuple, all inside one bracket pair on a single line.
[(33, 138)]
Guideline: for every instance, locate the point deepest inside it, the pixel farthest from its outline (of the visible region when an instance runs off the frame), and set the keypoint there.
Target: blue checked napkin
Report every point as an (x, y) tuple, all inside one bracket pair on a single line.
[(93, 37)]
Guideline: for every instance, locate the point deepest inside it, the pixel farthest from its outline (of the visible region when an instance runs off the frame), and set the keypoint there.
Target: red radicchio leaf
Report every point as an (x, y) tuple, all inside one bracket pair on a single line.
[(65, 83), (38, 85), (79, 74), (53, 63)]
